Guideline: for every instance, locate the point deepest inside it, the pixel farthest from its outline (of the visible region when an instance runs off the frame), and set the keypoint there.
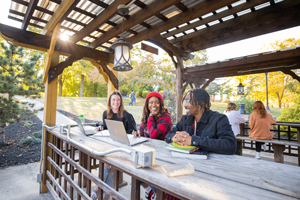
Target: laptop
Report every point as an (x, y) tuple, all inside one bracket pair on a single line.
[(85, 130), (118, 133)]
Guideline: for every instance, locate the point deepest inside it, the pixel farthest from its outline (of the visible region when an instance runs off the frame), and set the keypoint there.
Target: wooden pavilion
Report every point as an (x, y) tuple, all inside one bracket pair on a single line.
[(180, 27)]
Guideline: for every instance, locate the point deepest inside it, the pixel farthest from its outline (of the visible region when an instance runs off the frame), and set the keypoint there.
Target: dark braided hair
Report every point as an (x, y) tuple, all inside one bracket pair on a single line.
[(199, 97), (146, 111)]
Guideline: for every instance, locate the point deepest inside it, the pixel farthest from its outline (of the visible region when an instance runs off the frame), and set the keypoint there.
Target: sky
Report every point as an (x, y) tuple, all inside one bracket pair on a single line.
[(232, 50)]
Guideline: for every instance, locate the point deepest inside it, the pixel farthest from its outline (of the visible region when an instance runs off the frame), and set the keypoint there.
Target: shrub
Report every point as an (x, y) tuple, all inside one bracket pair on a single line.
[(145, 93), (140, 93), (29, 141), (38, 134), (248, 104), (27, 124)]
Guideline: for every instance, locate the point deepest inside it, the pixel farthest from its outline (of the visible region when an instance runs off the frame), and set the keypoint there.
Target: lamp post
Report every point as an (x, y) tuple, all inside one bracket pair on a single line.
[(267, 107)]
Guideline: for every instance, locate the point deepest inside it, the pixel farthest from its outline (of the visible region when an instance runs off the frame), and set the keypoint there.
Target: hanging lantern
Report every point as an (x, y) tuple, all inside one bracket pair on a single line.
[(240, 89), (122, 61)]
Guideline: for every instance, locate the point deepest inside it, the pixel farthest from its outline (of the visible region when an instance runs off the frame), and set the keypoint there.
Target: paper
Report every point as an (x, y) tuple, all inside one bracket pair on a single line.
[(102, 133)]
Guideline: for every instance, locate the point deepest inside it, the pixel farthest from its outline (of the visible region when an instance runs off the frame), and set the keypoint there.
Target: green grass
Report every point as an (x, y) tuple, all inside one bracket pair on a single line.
[(93, 107)]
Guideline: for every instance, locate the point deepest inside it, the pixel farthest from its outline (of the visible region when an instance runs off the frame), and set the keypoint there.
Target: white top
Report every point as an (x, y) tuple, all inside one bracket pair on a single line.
[(235, 118)]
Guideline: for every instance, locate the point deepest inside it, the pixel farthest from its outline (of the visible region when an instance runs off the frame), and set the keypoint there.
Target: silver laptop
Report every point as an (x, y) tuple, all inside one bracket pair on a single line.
[(84, 130), (118, 133)]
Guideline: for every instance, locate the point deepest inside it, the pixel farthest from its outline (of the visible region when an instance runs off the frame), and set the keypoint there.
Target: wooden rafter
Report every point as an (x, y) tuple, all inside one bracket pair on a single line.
[(200, 9), (217, 16), (42, 42), (172, 48), (60, 14), (30, 9), (102, 18), (194, 79), (50, 51), (270, 19), (135, 19)]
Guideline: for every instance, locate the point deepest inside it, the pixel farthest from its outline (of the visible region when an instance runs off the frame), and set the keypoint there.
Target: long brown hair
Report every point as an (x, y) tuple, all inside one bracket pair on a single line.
[(146, 111), (231, 106), (259, 107), (121, 108)]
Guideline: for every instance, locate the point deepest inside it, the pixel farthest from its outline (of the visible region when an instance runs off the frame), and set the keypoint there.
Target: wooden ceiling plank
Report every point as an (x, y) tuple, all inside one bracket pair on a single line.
[(60, 14), (102, 18), (262, 16), (42, 43), (263, 21), (200, 9), (220, 15), (29, 12), (50, 51), (139, 17)]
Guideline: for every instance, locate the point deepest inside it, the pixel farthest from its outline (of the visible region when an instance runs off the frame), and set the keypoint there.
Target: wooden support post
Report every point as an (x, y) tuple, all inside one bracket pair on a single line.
[(110, 86), (135, 189), (49, 116), (278, 152), (179, 88)]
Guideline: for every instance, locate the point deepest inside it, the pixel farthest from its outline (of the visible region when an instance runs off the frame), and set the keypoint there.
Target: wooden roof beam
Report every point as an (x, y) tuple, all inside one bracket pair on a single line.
[(250, 60), (30, 9), (102, 18), (50, 51), (164, 42), (152, 9), (217, 16), (200, 9), (273, 18), (248, 69), (60, 14), (42, 43)]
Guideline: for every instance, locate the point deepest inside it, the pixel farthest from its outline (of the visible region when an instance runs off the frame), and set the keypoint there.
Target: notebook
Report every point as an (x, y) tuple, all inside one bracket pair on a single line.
[(85, 130), (200, 155), (117, 133)]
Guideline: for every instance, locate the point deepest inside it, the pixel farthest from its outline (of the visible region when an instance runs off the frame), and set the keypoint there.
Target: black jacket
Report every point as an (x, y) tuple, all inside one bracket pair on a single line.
[(128, 121), (213, 132)]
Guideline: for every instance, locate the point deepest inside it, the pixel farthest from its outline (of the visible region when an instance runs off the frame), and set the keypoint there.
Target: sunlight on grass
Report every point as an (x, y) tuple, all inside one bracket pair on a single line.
[(93, 107)]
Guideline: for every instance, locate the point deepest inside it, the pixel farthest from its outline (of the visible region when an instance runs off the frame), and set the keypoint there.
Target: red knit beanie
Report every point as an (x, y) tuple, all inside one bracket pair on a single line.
[(154, 94)]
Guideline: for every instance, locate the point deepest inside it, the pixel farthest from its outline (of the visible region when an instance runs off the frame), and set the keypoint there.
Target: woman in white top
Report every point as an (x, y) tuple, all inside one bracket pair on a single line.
[(235, 119)]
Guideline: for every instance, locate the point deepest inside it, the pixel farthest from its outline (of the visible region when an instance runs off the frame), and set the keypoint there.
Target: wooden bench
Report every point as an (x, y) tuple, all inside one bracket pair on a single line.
[(277, 145)]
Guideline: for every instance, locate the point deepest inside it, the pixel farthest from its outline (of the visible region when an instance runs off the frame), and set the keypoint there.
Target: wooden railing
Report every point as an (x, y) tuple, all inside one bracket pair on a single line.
[(279, 127), (65, 166)]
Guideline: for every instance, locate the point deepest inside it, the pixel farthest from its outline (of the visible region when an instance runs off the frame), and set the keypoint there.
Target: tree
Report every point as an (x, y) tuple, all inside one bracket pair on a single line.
[(17, 78)]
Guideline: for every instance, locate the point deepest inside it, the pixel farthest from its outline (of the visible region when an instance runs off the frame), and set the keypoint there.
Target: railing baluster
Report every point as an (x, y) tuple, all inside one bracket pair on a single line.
[(80, 174), (88, 181), (72, 170), (66, 166)]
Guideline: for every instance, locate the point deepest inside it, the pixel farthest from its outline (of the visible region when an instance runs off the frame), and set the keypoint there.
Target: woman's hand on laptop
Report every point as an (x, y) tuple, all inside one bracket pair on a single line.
[(136, 133), (99, 128)]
